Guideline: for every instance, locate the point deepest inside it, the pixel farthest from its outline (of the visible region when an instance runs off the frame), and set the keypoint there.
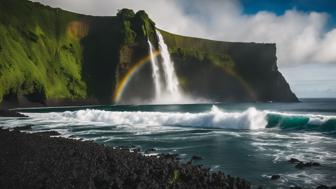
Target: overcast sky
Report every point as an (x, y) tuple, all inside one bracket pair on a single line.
[(304, 30)]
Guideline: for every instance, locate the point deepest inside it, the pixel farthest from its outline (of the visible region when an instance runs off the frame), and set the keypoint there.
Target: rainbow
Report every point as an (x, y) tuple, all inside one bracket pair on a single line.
[(230, 71), (122, 84)]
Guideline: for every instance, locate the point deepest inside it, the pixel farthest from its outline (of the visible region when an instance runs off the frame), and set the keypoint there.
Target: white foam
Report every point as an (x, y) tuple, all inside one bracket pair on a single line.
[(215, 118), (318, 120)]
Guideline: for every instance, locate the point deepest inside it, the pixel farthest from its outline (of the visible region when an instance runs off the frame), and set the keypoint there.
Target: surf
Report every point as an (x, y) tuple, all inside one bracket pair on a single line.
[(249, 119)]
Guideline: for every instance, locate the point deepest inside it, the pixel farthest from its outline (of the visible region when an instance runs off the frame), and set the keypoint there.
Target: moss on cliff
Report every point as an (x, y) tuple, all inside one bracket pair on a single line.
[(38, 54), (42, 50)]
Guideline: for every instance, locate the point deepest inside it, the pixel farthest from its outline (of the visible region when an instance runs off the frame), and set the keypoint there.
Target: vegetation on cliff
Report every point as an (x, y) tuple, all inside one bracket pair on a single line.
[(50, 54), (228, 70), (40, 55)]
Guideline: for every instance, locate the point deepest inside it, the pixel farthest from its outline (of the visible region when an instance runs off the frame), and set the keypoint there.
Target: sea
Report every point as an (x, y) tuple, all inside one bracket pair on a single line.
[(249, 140)]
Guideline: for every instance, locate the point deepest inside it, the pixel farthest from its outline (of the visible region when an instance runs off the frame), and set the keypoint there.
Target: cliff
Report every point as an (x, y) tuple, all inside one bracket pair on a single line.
[(228, 70), (53, 57)]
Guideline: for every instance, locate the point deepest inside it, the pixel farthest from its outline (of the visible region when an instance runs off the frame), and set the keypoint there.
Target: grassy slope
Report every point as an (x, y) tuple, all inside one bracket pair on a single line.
[(51, 54), (39, 52)]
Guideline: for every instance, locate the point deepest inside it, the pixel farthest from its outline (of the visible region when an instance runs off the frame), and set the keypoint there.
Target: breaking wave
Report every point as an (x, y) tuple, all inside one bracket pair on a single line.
[(251, 119)]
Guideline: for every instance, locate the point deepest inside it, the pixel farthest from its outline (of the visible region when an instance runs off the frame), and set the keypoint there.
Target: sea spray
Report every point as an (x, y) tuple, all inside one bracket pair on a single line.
[(249, 119), (215, 118)]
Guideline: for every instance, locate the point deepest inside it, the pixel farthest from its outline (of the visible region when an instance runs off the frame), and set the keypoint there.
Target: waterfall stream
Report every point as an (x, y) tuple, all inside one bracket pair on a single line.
[(167, 87), (155, 72)]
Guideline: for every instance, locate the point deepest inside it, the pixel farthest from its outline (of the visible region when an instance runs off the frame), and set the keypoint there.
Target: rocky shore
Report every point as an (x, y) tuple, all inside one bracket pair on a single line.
[(10, 113), (41, 161)]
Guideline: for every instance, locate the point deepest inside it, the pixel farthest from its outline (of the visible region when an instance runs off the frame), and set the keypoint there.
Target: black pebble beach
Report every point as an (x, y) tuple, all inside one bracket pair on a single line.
[(41, 161)]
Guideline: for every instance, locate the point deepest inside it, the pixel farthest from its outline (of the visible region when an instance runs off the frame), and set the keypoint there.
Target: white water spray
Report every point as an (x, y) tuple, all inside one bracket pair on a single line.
[(169, 91), (173, 87), (155, 72)]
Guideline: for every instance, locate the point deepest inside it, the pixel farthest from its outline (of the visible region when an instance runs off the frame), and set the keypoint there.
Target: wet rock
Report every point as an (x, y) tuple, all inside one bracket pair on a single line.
[(169, 156), (275, 177), (10, 113), (294, 160), (194, 157), (300, 165), (23, 128), (49, 133), (316, 164), (33, 160), (136, 150), (322, 187), (150, 150), (295, 187)]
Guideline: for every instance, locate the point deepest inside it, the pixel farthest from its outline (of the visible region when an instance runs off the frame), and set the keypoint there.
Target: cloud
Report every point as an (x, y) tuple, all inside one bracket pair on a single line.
[(301, 37)]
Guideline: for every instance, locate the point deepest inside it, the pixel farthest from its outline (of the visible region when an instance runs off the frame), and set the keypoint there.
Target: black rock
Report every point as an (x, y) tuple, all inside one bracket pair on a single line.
[(136, 150), (10, 113), (40, 161), (295, 187), (300, 165), (316, 164), (169, 156), (49, 133), (275, 177), (194, 157), (23, 128), (294, 160), (150, 150), (322, 187)]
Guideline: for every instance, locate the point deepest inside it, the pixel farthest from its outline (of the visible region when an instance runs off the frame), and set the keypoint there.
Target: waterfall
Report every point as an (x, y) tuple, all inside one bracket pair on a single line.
[(155, 72), (172, 83), (168, 91)]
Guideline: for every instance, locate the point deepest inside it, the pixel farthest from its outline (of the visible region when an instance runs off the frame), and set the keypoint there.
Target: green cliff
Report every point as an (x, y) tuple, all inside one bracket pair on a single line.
[(228, 70), (53, 57)]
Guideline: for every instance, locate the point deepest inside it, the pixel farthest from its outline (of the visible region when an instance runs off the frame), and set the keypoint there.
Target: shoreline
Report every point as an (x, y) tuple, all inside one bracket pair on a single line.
[(41, 161)]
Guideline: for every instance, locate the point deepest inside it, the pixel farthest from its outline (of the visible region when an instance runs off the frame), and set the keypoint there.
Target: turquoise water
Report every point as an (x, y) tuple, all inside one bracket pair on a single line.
[(250, 140)]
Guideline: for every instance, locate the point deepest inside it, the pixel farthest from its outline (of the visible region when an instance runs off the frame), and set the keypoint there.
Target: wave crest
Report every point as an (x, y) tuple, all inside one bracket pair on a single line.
[(251, 119), (215, 118)]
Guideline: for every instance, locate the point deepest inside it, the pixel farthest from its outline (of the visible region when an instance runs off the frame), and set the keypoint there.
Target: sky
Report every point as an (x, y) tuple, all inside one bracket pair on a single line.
[(303, 30)]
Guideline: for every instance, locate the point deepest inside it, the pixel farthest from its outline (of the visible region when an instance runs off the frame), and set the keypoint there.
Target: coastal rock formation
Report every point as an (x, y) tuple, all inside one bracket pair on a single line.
[(229, 70), (10, 113), (53, 57)]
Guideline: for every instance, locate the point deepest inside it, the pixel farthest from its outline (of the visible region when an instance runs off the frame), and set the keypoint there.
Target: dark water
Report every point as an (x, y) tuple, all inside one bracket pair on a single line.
[(251, 140)]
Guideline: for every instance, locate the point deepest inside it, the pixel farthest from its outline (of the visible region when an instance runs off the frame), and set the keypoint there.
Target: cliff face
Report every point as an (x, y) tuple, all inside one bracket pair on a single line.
[(228, 71), (53, 57)]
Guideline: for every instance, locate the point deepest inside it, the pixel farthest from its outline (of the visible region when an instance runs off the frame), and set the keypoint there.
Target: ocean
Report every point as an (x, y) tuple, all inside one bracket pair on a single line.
[(249, 140)]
